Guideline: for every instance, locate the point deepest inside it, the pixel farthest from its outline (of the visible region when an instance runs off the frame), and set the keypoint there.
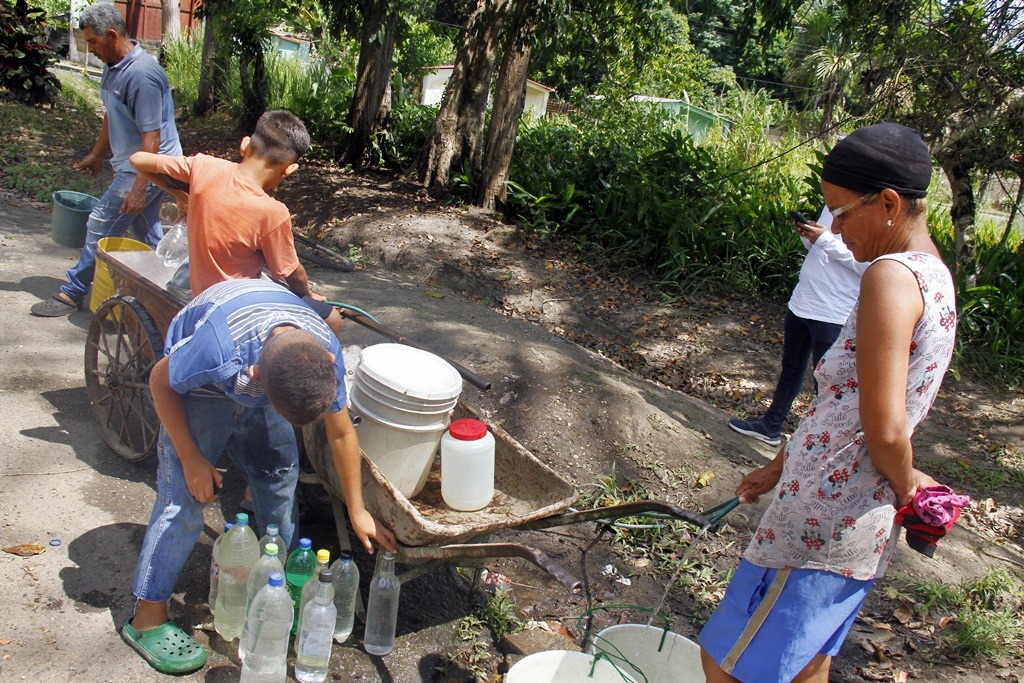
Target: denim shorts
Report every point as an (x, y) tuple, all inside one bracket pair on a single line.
[(772, 622)]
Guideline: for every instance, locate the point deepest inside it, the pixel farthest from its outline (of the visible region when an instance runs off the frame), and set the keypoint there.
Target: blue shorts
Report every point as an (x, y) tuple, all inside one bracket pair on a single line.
[(772, 622)]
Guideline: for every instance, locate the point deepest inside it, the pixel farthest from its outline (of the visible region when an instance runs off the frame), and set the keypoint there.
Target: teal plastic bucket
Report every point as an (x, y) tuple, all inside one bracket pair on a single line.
[(70, 212)]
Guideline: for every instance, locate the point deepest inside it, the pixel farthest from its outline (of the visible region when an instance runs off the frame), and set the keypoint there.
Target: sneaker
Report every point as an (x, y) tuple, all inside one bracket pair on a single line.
[(756, 429)]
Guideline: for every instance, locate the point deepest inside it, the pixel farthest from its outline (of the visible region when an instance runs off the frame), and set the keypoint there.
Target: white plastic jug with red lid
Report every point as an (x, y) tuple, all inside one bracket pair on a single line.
[(467, 465)]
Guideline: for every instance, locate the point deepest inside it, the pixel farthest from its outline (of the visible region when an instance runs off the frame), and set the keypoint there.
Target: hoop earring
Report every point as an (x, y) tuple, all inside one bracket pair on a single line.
[(889, 222)]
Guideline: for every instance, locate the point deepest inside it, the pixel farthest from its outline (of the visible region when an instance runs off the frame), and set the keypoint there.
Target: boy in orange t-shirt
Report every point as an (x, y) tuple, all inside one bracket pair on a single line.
[(235, 228)]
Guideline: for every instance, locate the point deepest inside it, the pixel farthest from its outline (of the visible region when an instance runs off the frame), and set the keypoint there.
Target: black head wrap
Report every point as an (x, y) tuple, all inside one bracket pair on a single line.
[(885, 155)]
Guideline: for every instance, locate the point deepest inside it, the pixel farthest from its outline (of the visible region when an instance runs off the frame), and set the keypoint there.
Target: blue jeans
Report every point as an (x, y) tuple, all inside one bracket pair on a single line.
[(804, 339), (105, 220), (260, 443)]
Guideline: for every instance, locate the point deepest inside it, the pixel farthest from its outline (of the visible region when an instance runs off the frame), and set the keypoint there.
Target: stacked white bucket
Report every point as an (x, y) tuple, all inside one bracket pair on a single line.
[(405, 397)]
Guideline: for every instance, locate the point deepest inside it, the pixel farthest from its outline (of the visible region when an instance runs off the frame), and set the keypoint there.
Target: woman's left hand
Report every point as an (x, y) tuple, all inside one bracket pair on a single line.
[(918, 480)]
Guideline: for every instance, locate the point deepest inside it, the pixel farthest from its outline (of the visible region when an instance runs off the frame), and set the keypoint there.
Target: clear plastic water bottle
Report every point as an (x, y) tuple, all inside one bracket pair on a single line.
[(316, 627), (263, 648), (273, 535), (215, 568), (382, 608), (238, 555), (346, 588), (298, 571), (267, 565), (323, 561), (173, 246)]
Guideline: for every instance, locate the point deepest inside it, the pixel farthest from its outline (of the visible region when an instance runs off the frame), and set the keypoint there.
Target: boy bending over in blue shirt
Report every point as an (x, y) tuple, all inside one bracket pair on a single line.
[(245, 361)]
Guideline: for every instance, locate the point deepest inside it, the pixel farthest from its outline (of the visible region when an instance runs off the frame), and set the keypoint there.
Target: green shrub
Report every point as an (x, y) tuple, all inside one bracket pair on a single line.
[(625, 176), (24, 59), (181, 56), (321, 94), (410, 125)]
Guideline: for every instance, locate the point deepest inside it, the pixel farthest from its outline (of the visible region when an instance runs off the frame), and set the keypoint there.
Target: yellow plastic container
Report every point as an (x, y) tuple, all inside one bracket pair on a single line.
[(102, 285)]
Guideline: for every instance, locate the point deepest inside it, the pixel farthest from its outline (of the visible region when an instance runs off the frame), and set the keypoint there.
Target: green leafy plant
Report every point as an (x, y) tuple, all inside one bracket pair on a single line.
[(24, 59)]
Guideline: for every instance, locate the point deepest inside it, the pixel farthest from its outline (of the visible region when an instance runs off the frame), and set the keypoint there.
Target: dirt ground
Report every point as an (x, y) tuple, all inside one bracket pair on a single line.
[(594, 371)]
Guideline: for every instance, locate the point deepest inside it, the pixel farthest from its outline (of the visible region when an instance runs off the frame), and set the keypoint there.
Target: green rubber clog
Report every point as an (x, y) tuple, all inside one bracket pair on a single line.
[(166, 648)]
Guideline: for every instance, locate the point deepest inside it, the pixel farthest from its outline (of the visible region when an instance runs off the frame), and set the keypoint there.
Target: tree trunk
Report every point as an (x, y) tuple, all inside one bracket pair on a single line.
[(253, 73), (507, 109), (171, 18), (373, 77), (212, 72), (455, 138), (962, 214)]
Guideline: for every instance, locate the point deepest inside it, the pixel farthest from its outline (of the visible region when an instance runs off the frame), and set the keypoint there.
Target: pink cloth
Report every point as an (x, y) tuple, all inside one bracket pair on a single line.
[(934, 504)]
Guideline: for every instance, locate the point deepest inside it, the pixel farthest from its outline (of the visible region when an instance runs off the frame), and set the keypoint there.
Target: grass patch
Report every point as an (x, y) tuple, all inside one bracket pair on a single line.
[(981, 615), (41, 145), (659, 544), (993, 467), (478, 630)]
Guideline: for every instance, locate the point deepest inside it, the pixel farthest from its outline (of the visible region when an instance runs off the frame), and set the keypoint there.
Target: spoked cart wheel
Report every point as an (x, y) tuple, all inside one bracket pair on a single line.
[(122, 347)]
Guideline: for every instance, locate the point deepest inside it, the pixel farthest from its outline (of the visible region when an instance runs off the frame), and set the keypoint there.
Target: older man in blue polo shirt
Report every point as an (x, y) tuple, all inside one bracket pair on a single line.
[(139, 116)]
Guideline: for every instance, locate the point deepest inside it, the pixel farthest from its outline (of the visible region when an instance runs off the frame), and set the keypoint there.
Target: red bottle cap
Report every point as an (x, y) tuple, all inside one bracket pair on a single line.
[(467, 430)]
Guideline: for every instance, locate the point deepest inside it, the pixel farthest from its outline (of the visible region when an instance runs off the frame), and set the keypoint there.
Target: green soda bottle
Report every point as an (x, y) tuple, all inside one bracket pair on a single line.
[(298, 571)]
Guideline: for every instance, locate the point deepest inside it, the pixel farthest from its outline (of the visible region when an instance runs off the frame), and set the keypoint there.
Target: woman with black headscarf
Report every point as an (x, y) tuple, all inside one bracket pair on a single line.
[(830, 529)]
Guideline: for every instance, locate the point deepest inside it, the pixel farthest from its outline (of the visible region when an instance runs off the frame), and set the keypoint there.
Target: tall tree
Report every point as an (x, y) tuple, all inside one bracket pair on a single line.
[(243, 25), (213, 68), (170, 18), (456, 135), (371, 101), (509, 100)]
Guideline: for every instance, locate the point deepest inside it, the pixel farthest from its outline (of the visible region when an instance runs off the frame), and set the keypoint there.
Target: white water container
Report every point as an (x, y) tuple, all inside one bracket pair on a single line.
[(467, 465), (651, 652), (564, 666)]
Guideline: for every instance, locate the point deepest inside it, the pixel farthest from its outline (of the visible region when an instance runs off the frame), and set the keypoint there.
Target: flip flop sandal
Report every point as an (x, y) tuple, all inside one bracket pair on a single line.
[(54, 307), (166, 648)]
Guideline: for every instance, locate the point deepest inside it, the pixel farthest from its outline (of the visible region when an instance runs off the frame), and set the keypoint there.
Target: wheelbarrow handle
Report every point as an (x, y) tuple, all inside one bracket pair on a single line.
[(658, 507), (716, 513), (467, 374)]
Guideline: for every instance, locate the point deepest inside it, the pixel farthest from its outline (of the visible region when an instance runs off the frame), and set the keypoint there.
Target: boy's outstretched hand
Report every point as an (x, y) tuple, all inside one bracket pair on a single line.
[(367, 528)]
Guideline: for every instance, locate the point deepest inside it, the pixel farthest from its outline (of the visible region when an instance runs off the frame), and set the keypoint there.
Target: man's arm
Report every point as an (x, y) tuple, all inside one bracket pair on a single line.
[(344, 445), (201, 477), (90, 165), (135, 202)]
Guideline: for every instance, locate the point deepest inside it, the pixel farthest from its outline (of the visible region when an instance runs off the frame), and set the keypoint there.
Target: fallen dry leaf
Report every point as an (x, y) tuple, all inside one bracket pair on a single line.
[(705, 478), (25, 549), (432, 293), (903, 614), (5, 641)]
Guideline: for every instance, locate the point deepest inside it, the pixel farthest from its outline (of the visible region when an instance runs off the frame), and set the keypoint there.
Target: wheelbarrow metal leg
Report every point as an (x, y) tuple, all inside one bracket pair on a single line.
[(446, 554)]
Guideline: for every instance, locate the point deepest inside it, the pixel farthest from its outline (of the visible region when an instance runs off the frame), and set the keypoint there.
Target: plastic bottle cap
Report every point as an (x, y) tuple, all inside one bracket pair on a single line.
[(227, 526), (271, 549), (326, 575), (346, 555), (242, 519), (323, 555), (276, 579), (305, 543), (272, 530), (467, 430)]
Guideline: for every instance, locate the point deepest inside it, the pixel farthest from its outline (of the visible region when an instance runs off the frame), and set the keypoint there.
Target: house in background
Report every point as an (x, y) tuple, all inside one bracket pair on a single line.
[(292, 45), (435, 78), (698, 121)]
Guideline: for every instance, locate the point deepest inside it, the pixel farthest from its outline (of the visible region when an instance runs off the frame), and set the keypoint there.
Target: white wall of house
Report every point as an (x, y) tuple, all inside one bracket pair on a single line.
[(435, 78)]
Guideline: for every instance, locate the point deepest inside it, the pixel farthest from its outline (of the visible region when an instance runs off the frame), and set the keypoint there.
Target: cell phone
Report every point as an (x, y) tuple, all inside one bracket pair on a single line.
[(798, 217)]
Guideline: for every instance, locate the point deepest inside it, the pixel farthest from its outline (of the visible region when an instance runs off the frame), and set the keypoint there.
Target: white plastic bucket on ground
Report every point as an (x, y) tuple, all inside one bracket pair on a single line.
[(405, 397), (661, 657), (564, 666)]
